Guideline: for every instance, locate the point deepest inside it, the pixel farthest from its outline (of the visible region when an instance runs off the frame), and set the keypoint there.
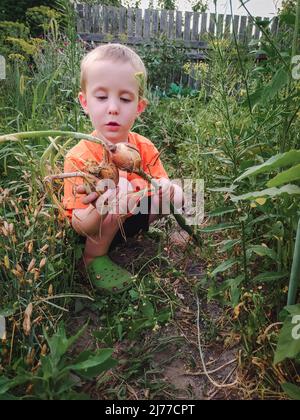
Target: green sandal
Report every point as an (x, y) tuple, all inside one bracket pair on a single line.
[(107, 276)]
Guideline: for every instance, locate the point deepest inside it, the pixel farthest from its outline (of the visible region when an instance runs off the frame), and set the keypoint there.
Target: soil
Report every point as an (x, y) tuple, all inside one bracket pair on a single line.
[(179, 363)]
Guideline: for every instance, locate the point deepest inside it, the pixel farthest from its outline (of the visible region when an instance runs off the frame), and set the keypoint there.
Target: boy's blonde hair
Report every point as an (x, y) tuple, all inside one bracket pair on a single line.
[(115, 52)]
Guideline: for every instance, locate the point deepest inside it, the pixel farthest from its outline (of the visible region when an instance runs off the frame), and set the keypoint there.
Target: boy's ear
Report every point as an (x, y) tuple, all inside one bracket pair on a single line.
[(142, 105), (83, 101)]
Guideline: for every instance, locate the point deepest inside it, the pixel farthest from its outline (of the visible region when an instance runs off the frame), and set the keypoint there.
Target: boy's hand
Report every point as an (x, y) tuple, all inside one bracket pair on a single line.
[(113, 199), (90, 197)]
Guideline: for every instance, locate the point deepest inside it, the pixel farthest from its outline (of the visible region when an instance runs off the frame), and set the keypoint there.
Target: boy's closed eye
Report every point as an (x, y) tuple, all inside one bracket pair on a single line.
[(103, 98)]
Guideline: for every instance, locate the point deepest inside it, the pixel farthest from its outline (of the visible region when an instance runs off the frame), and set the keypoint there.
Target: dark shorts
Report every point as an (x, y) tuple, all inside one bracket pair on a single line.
[(132, 226)]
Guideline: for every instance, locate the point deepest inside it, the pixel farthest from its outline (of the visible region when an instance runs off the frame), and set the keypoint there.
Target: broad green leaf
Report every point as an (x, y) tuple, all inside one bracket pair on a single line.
[(223, 267), (94, 371), (293, 391), (270, 192), (148, 310), (7, 384), (279, 80), (288, 344), (59, 343), (269, 276), (292, 174), (92, 361), (278, 161), (262, 251), (264, 94)]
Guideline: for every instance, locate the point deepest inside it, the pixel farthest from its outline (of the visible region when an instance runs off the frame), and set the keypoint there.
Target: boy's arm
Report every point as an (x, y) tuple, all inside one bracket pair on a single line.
[(87, 221)]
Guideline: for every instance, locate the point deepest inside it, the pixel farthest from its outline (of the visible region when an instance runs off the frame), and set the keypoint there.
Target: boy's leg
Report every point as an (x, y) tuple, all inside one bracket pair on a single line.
[(98, 245)]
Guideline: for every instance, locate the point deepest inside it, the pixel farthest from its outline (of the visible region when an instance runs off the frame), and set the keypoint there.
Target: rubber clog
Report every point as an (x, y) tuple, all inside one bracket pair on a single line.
[(107, 276)]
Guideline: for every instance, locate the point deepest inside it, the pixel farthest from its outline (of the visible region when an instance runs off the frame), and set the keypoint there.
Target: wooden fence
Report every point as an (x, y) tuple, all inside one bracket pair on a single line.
[(137, 26), (134, 27)]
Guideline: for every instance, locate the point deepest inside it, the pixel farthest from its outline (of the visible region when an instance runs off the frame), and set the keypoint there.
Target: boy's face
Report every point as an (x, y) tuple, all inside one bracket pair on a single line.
[(111, 98)]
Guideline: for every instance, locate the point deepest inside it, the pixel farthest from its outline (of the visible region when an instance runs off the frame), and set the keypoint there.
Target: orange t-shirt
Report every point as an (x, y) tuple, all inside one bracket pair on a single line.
[(86, 150)]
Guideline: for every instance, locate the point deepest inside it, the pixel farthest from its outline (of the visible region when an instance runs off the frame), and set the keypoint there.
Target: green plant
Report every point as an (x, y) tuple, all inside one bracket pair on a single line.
[(39, 19), (56, 376), (15, 11), (164, 60)]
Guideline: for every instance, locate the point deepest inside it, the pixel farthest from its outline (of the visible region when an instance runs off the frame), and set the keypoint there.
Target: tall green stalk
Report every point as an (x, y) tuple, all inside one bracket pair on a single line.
[(295, 272), (296, 38)]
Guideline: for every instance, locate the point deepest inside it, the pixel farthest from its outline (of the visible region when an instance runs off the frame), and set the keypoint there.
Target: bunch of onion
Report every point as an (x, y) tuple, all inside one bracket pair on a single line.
[(121, 155)]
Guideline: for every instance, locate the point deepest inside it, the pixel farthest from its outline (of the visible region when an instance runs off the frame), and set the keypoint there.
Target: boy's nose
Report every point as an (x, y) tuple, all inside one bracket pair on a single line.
[(113, 108)]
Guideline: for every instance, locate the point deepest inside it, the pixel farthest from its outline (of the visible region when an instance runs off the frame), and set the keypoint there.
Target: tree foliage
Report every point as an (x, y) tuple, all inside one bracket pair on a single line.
[(15, 10)]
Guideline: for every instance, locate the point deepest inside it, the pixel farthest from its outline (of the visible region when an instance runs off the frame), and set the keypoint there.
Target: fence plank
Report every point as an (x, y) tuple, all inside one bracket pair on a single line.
[(195, 30), (212, 24), (242, 28), (122, 20), (87, 23), (249, 29), (220, 25), (187, 26), (138, 23), (105, 20), (147, 18), (203, 24), (130, 22), (236, 21), (171, 27), (178, 25), (163, 22), (96, 18), (115, 17), (80, 18), (257, 30), (155, 23), (227, 28)]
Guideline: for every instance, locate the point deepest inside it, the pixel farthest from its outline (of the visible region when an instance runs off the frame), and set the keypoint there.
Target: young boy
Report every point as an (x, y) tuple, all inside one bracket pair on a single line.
[(113, 97)]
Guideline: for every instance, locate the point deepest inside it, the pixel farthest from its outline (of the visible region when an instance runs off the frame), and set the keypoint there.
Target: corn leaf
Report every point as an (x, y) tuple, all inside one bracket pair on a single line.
[(292, 174), (270, 192), (281, 160), (262, 251)]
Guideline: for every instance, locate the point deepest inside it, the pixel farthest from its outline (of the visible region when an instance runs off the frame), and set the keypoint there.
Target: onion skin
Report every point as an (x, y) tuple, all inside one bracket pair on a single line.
[(126, 157), (109, 171)]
